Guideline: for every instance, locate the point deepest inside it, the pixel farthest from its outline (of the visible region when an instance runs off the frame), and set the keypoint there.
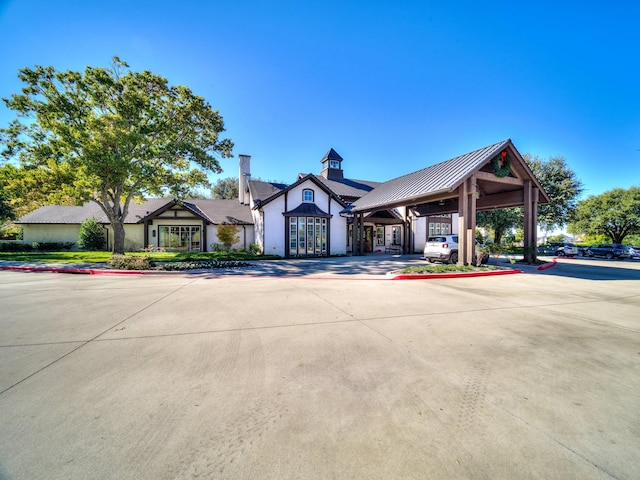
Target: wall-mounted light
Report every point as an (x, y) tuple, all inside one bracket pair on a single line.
[(153, 233)]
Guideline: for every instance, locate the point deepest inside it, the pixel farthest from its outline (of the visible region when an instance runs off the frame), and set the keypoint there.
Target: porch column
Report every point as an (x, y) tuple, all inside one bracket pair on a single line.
[(203, 244), (466, 221), (361, 228), (354, 235), (531, 196)]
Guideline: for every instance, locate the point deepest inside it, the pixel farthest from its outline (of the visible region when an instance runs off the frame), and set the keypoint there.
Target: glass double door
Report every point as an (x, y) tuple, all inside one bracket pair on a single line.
[(307, 236)]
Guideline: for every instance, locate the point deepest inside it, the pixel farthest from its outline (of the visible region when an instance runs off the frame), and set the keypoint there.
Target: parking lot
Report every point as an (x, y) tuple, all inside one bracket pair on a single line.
[(313, 374)]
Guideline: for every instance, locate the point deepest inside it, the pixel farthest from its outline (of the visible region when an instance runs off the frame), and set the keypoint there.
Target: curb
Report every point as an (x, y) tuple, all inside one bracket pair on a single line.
[(548, 265), (77, 271), (429, 276)]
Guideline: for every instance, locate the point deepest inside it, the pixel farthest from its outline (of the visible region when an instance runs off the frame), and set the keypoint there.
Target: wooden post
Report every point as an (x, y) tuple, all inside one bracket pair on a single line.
[(463, 212), (528, 223), (471, 222), (361, 227)]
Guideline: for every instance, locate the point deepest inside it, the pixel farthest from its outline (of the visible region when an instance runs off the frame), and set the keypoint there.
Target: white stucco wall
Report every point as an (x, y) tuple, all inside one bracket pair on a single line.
[(245, 234), (50, 233), (419, 231), (273, 227), (133, 237)]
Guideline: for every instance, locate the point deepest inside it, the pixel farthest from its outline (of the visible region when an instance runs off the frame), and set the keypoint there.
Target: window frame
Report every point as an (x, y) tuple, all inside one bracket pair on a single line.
[(308, 192)]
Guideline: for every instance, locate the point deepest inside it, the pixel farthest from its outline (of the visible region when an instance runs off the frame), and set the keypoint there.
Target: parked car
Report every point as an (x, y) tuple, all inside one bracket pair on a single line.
[(559, 249), (607, 250), (444, 248), (634, 252)]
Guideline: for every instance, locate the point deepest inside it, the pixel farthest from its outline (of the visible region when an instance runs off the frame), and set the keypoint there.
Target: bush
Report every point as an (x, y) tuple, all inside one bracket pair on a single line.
[(130, 262), (91, 236), (15, 247), (52, 246), (228, 235), (255, 249)]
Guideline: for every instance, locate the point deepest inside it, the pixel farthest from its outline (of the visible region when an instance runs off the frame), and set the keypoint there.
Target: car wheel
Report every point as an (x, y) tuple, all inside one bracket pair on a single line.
[(430, 260), (609, 256), (560, 253), (453, 258)]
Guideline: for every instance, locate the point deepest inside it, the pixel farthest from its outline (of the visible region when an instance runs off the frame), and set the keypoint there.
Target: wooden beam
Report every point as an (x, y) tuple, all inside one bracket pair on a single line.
[(490, 177), (501, 200)]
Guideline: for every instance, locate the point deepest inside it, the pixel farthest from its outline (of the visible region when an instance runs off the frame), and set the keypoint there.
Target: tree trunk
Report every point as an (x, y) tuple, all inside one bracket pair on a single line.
[(118, 237)]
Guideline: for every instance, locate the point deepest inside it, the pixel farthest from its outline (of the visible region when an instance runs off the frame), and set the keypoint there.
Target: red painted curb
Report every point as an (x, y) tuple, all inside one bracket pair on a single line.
[(429, 276), (81, 271), (548, 265)]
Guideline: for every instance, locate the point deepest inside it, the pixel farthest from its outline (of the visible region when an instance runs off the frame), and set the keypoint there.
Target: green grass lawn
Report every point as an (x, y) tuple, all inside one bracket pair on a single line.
[(103, 257), (446, 267)]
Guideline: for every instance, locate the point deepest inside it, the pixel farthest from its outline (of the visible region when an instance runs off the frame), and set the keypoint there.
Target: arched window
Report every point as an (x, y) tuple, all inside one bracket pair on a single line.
[(307, 195)]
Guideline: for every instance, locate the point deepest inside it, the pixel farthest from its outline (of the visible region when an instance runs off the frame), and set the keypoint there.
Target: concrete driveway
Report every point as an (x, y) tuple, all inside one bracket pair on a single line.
[(530, 376)]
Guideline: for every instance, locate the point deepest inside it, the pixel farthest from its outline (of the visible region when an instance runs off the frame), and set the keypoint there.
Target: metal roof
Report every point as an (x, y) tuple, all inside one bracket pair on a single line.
[(441, 177), (306, 210)]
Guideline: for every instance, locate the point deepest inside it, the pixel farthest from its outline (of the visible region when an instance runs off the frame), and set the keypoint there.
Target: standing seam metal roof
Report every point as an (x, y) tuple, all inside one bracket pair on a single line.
[(441, 177)]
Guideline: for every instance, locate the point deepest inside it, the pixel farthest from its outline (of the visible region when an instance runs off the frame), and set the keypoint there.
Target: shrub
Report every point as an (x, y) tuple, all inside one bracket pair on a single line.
[(130, 262), (228, 234), (52, 246), (15, 247), (255, 249), (91, 236)]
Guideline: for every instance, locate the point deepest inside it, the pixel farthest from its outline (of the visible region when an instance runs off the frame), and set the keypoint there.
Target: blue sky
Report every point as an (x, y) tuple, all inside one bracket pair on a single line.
[(393, 86)]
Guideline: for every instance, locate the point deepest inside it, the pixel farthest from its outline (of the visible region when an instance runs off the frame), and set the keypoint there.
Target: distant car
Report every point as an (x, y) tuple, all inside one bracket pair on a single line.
[(444, 248), (634, 252), (559, 249), (607, 250)]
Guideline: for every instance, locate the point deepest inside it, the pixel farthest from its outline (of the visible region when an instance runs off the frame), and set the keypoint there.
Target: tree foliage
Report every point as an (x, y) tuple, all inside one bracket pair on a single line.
[(563, 187), (91, 236), (226, 188), (615, 213), (112, 136), (560, 183), (499, 221), (228, 234)]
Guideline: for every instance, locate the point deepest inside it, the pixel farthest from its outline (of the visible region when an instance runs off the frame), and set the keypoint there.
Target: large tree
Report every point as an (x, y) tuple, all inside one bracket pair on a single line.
[(499, 221), (558, 180), (615, 213), (563, 187), (112, 136), (226, 188)]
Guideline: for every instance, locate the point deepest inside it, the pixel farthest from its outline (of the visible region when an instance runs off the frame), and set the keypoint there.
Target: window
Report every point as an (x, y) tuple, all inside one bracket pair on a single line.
[(307, 195), (179, 237), (334, 164), (396, 235), (379, 235), (307, 236)]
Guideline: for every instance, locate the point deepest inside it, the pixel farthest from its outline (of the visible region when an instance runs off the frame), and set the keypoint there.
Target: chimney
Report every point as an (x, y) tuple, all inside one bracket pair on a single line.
[(243, 177)]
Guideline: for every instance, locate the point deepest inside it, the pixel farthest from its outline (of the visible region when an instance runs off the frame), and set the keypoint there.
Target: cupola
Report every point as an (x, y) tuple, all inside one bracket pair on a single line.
[(332, 165)]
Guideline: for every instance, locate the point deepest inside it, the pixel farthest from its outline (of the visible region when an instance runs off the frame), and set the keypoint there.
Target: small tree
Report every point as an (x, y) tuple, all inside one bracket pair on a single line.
[(228, 235), (91, 236)]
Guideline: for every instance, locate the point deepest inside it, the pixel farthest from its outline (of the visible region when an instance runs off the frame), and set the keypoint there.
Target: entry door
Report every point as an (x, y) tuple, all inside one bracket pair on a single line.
[(368, 239)]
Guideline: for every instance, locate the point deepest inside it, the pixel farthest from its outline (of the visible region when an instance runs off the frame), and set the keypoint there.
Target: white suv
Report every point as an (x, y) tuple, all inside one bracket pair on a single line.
[(444, 248)]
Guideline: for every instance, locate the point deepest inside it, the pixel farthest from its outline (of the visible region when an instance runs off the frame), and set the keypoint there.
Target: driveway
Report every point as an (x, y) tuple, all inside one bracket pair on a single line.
[(531, 376)]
